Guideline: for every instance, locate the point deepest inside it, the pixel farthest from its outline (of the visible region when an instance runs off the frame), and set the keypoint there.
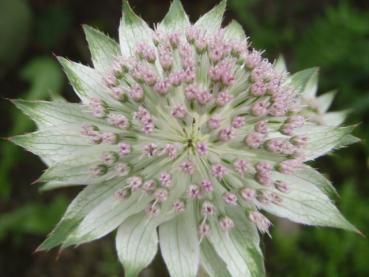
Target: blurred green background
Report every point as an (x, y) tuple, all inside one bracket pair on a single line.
[(331, 34)]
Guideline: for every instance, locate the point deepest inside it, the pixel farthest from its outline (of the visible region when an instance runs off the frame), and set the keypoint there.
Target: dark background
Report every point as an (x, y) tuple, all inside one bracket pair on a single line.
[(331, 34)]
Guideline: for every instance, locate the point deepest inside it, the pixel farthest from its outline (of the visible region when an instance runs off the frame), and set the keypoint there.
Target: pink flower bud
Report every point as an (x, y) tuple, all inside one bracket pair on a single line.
[(226, 223), (230, 198), (207, 185), (238, 122), (218, 170)]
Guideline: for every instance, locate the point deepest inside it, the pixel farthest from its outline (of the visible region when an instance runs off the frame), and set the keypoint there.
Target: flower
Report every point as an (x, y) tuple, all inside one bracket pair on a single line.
[(184, 139)]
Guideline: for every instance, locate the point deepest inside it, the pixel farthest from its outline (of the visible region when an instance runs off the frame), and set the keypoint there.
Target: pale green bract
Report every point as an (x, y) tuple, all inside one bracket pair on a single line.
[(183, 136)]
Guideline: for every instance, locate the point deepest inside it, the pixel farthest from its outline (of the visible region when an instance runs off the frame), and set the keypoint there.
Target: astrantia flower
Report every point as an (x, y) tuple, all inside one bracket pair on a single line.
[(185, 139)]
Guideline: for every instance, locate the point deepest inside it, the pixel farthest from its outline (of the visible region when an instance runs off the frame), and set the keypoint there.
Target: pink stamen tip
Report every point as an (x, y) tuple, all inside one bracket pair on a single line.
[(193, 191), (230, 198), (218, 170), (248, 194), (226, 223), (150, 150), (241, 166), (120, 194), (202, 148), (99, 170), (207, 185), (208, 209), (258, 89), (238, 122), (223, 98), (175, 79), (97, 108), (124, 149), (254, 140), (264, 178), (179, 206), (137, 92), (214, 122), (162, 87), (191, 92), (122, 169), (145, 51), (134, 183), (263, 167), (289, 166), (161, 195), (109, 138), (118, 120), (204, 230), (165, 179), (187, 167), (204, 97), (261, 222), (148, 128), (149, 186), (260, 108), (226, 134), (109, 158), (152, 210), (170, 150), (179, 112), (261, 127), (118, 93)]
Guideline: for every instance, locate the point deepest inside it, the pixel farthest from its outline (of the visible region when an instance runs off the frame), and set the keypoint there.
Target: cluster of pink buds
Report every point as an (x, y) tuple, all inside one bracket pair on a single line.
[(173, 99)]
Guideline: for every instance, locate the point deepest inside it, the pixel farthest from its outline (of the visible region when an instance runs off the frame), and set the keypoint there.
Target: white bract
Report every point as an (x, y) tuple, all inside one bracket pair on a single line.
[(185, 136)]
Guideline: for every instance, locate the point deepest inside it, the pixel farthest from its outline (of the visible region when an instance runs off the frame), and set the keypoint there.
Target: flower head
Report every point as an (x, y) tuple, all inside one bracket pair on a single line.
[(185, 136)]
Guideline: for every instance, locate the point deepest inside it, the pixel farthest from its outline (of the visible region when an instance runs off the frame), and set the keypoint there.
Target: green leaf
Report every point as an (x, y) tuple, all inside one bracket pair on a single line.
[(306, 204), (234, 30), (132, 30), (176, 18), (246, 239), (280, 64), (75, 171), (309, 174), (323, 139), (349, 139), (335, 118), (179, 244), (137, 243), (325, 100), (228, 251), (53, 145), (104, 50), (306, 81), (212, 263), (106, 217), (86, 200), (212, 20), (48, 114), (87, 82)]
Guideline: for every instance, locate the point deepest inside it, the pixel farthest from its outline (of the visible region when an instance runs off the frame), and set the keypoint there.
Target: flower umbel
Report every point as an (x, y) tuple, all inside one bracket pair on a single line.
[(185, 138)]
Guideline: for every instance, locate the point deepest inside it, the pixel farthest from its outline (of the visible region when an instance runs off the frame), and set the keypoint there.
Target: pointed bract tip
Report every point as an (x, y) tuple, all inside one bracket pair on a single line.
[(360, 233), (38, 180), (126, 6), (6, 138), (38, 249), (13, 100)]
